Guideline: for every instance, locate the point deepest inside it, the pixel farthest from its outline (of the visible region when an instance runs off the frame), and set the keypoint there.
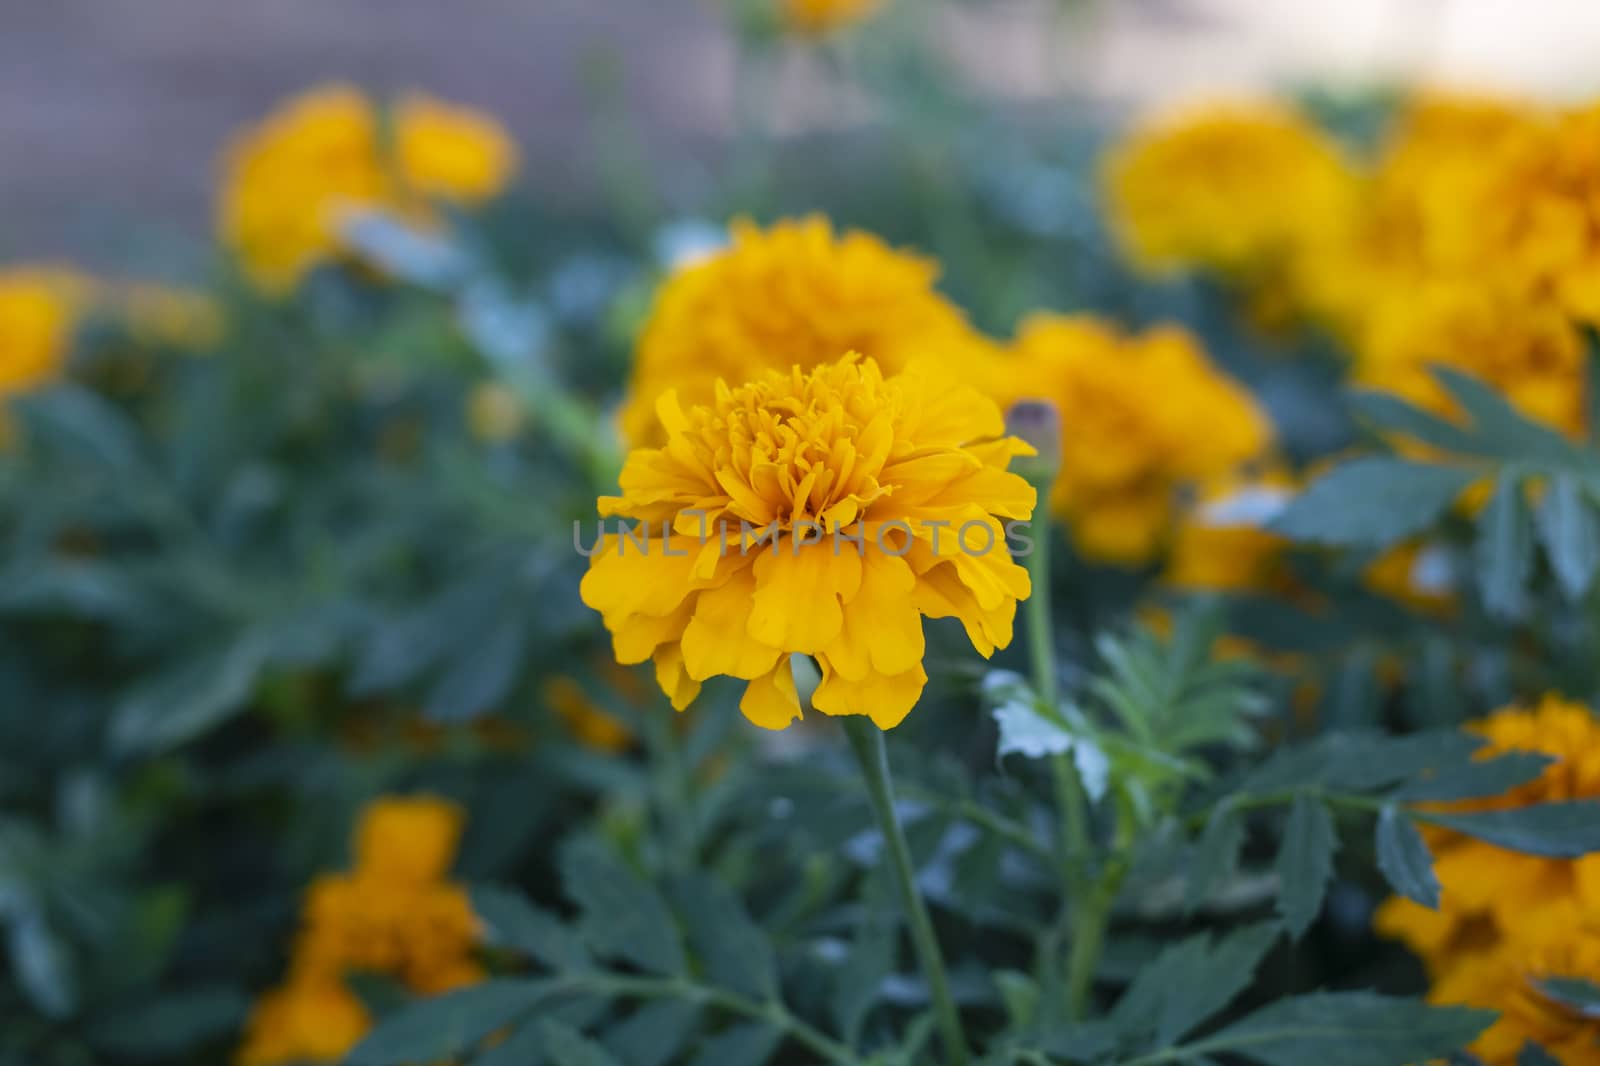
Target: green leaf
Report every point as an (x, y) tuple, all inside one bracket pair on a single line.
[(1581, 995), (1505, 550), (1478, 777), (1019, 994), (41, 965), (1348, 1029), (1189, 982), (1553, 830), (734, 950), (1501, 430), (196, 694), (654, 1034), (1404, 858), (1305, 863), (565, 1046), (1534, 1055), (860, 978), (1029, 730), (1387, 411), (748, 1045), (449, 1025), (510, 921), (482, 673), (171, 1024), (1570, 529), (622, 916), (1216, 855), (1372, 502)]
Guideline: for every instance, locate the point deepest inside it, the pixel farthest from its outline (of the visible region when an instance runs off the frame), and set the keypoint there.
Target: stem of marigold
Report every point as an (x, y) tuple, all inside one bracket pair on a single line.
[(866, 740)]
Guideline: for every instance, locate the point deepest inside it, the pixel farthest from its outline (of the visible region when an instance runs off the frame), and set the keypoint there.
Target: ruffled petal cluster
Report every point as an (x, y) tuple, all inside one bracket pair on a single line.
[(819, 512), (395, 915), (1506, 920), (1238, 188), (796, 293), (1144, 419), (291, 182)]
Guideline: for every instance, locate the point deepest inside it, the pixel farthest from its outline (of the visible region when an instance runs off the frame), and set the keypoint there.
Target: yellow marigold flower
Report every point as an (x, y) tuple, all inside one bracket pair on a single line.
[(291, 181), (38, 311), (1235, 187), (408, 839), (912, 466), (1143, 418), (793, 294), (364, 922), (1490, 893), (1527, 349), (451, 153), (1512, 982), (307, 1020), (819, 17)]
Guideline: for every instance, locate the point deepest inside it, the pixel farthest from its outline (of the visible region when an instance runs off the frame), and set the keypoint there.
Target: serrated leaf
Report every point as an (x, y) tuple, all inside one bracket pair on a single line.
[(1478, 777), (1387, 411), (1372, 502), (510, 921), (1216, 855), (1190, 982), (1570, 530), (748, 1045), (1505, 550), (1404, 859), (565, 1046), (447, 1026), (1305, 863), (1577, 993), (622, 916), (481, 674), (1347, 1029), (654, 1034), (1500, 429), (524, 1047), (189, 698), (1553, 830), (734, 950)]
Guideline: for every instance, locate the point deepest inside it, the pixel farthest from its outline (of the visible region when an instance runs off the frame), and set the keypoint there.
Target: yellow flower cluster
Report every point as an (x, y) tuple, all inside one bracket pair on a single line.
[(912, 467), (38, 311), (395, 914), (795, 294), (1508, 922), (819, 17), (291, 181), (1238, 188), (1145, 418)]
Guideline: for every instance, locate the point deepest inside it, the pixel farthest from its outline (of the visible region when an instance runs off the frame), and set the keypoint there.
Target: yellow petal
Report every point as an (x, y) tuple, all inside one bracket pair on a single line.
[(717, 638), (882, 628), (797, 600), (886, 699), (770, 700), (674, 680)]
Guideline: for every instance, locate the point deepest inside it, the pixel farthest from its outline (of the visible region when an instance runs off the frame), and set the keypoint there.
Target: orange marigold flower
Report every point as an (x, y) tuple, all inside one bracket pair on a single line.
[(307, 1020), (796, 293), (1143, 418), (911, 467)]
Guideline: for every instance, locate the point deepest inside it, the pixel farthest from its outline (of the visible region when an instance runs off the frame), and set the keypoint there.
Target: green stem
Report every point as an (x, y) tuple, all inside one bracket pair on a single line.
[(866, 740), (1090, 921)]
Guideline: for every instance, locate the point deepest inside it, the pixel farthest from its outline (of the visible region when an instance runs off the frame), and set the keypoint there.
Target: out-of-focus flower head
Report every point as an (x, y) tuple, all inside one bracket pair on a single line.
[(912, 465), (1490, 894), (309, 1019), (39, 309), (1238, 188), (393, 915), (1223, 544), (293, 180), (1143, 418), (795, 293), (817, 18)]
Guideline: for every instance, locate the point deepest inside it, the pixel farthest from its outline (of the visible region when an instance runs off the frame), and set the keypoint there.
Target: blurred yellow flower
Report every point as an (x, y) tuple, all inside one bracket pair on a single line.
[(819, 17), (39, 309), (912, 466), (309, 1019), (394, 914), (795, 293), (1143, 418), (1223, 543), (1490, 894), (292, 180), (1237, 187)]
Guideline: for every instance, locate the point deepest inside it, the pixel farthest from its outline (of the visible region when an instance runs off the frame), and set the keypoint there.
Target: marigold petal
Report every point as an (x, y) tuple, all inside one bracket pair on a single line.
[(797, 600), (770, 701), (886, 699)]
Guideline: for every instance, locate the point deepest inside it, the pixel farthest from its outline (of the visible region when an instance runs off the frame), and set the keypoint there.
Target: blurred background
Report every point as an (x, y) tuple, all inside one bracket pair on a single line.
[(112, 114)]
